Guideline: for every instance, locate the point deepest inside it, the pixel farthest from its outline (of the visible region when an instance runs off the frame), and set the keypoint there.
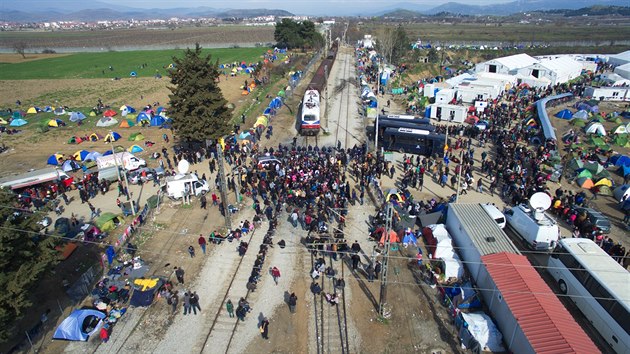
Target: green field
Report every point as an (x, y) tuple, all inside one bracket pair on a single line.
[(96, 65)]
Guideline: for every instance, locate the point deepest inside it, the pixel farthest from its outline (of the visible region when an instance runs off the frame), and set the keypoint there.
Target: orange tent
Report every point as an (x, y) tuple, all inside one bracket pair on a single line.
[(393, 237)]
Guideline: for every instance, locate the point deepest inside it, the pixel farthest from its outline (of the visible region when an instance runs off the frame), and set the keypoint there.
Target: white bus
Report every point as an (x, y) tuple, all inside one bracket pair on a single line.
[(599, 286)]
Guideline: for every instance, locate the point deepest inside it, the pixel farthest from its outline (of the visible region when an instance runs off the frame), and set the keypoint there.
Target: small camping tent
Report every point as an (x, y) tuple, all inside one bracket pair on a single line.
[(54, 159), (55, 123), (106, 122), (108, 221), (59, 111), (80, 325), (157, 121), (95, 137), (113, 136), (622, 192), (31, 110), (143, 117), (581, 114), (18, 122), (77, 116), (136, 137), (135, 149), (70, 165), (620, 160), (564, 114), (584, 182), (127, 123), (109, 113), (80, 155), (604, 182), (75, 140), (620, 130), (578, 122), (92, 156), (144, 291), (595, 128)]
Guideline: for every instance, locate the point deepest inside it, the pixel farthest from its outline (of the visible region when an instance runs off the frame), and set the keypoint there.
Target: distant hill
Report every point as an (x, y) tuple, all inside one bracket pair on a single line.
[(509, 8), (248, 13), (599, 11)]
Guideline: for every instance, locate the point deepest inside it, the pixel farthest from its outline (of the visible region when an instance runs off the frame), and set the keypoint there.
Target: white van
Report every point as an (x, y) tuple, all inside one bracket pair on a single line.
[(495, 214), (179, 185), (539, 230)]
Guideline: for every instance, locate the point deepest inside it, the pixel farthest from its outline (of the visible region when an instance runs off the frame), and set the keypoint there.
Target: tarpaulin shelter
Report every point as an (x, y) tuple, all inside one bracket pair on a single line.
[(135, 149), (75, 140), (127, 123), (113, 136), (584, 182), (109, 113), (95, 137), (77, 116), (564, 114), (18, 122), (578, 122), (80, 155), (145, 291), (80, 325), (581, 114), (136, 137), (70, 165), (596, 128), (106, 122), (108, 221), (54, 159), (92, 156), (55, 123)]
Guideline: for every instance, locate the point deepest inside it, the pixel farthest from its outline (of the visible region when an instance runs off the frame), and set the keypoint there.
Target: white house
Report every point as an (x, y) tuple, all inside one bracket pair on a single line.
[(614, 79), (623, 71), (448, 112), (559, 70), (620, 59), (506, 65), (608, 93)]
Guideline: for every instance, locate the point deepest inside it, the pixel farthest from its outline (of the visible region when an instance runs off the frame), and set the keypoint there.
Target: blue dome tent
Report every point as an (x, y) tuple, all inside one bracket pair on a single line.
[(77, 116), (157, 121), (80, 325), (18, 122)]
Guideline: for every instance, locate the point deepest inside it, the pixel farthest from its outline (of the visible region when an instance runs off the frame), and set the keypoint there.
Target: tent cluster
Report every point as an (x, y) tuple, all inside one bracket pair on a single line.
[(147, 117), (589, 174), (263, 121)]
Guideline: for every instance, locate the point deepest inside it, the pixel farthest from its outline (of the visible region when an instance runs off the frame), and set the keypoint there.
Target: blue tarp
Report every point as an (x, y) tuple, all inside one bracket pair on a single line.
[(80, 325), (545, 122), (564, 114)]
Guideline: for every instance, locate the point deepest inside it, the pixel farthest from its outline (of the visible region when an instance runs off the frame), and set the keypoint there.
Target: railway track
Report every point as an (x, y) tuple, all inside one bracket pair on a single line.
[(342, 89)]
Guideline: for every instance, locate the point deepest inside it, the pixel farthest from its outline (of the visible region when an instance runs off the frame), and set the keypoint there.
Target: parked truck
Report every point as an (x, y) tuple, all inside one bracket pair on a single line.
[(124, 159)]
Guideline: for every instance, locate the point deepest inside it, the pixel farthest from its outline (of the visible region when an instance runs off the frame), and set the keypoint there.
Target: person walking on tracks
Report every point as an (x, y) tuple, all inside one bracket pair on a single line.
[(292, 302), (179, 273), (230, 308), (264, 329)]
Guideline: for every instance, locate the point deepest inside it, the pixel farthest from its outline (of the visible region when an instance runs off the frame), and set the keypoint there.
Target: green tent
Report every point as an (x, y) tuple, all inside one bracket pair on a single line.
[(119, 148), (136, 137), (585, 174), (621, 140), (578, 122), (152, 202), (604, 190), (575, 146), (596, 140), (594, 167), (592, 102), (575, 164), (282, 93), (617, 120), (108, 221)]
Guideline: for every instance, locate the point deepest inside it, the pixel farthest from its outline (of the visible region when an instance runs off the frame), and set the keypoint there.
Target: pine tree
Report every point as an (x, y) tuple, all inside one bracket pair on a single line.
[(25, 257), (198, 108)]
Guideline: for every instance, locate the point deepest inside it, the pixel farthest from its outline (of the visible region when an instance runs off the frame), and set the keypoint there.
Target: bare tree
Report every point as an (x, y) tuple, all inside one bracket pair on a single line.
[(385, 42), (20, 48)]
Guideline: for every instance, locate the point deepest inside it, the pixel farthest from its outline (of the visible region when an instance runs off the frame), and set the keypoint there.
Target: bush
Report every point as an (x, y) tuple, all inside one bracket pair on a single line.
[(48, 51)]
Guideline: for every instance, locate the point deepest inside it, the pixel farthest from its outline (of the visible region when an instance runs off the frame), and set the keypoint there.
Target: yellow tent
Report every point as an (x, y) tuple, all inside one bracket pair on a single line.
[(261, 120), (603, 182), (92, 114), (53, 123), (2, 121), (31, 110)]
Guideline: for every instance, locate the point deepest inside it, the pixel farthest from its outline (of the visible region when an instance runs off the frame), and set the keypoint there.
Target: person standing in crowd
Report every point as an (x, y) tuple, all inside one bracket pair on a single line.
[(179, 273), (174, 300), (230, 308), (202, 243), (194, 303), (202, 201), (186, 303)]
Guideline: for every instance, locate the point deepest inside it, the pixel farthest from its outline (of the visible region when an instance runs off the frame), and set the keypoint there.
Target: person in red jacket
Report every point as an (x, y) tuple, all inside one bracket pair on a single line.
[(275, 273)]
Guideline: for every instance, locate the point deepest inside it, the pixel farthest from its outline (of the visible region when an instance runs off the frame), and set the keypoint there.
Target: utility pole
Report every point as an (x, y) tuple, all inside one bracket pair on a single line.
[(223, 187), (122, 180), (326, 95), (388, 229), (459, 175)]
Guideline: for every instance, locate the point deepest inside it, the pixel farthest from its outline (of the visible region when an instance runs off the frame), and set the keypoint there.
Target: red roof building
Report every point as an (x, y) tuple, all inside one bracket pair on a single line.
[(530, 316)]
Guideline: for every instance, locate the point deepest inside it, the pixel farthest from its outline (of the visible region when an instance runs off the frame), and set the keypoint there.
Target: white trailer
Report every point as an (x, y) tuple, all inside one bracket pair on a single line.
[(33, 178), (125, 160), (180, 185), (448, 112), (539, 230)]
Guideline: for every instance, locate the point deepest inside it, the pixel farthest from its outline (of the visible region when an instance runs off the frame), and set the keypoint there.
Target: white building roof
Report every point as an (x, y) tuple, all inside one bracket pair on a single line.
[(623, 71), (615, 79), (620, 59), (563, 66), (516, 61), (505, 79), (456, 80)]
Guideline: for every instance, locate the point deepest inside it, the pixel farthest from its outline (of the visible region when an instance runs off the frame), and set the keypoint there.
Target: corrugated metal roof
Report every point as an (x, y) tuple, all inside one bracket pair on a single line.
[(547, 324), (483, 230)]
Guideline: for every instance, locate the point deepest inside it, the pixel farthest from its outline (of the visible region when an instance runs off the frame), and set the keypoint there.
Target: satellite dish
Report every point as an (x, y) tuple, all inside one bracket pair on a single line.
[(540, 201), (183, 166)]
